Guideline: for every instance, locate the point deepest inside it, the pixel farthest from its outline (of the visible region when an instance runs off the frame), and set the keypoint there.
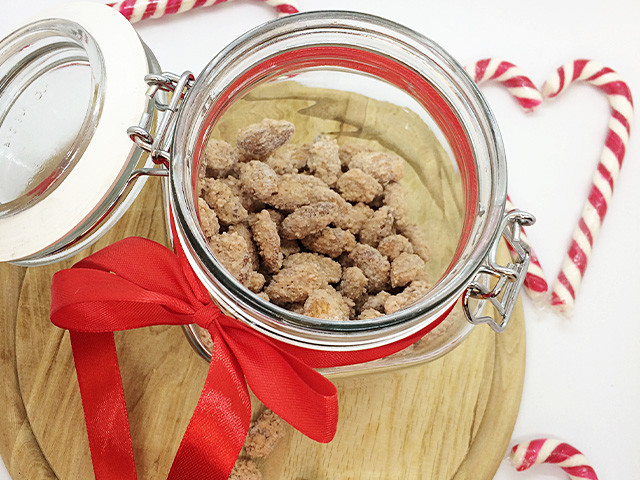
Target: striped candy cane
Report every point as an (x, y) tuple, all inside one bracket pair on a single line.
[(595, 208), (528, 97), (136, 10), (552, 451), (508, 75)]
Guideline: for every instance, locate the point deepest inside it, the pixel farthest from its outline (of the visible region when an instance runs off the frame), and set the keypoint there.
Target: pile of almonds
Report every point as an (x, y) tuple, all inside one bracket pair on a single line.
[(320, 229)]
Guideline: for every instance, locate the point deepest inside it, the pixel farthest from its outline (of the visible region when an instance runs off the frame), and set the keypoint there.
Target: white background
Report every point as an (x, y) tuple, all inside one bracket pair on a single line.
[(582, 380)]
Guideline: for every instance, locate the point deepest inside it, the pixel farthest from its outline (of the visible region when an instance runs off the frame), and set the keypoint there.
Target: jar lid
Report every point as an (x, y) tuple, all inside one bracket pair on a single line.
[(71, 82)]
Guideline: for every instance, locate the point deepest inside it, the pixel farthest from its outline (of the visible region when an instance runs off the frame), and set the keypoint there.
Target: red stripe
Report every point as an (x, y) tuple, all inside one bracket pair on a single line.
[(502, 68), (586, 231), (599, 73), (172, 6), (519, 81), (561, 453), (555, 299), (577, 256), (199, 3), (481, 68), (126, 8), (564, 281), (606, 174), (287, 9), (582, 471), (617, 88), (622, 119), (598, 202), (528, 103), (616, 145), (560, 82), (534, 258), (150, 10), (531, 454), (535, 283), (578, 67)]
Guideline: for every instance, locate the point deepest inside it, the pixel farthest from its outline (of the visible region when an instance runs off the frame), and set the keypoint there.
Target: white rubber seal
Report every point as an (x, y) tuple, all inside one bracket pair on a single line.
[(92, 178)]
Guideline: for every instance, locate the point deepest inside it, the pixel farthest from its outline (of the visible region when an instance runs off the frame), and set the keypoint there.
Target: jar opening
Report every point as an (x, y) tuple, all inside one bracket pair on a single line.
[(287, 49)]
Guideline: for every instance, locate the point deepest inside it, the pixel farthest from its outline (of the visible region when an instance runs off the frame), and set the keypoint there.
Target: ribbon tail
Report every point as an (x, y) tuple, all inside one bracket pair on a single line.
[(104, 407), (219, 425), (289, 387)]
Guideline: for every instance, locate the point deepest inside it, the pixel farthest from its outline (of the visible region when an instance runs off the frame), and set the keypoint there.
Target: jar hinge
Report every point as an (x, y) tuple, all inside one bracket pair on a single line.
[(158, 145), (501, 284)]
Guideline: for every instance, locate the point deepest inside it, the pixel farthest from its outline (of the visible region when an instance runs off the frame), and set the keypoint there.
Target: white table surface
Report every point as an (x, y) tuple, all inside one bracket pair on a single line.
[(582, 380)]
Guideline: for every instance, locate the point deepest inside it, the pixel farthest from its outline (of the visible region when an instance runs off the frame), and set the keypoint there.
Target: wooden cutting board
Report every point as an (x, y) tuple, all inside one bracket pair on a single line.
[(448, 419)]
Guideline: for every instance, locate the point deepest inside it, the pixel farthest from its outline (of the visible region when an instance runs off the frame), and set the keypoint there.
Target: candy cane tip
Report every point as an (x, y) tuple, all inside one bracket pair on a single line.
[(552, 451), (550, 88), (561, 305)]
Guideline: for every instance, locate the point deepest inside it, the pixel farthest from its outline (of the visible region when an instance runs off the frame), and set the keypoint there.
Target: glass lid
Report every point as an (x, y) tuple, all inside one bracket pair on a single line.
[(71, 82)]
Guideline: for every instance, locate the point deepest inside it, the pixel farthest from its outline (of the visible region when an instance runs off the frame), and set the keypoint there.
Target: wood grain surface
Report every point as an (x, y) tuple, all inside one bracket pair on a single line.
[(450, 419)]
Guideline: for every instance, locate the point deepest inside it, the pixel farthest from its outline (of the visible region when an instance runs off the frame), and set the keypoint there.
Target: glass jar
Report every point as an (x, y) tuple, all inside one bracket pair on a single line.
[(364, 55)]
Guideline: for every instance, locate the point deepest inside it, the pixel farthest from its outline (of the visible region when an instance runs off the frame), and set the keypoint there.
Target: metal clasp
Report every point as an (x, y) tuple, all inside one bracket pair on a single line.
[(501, 284), (158, 146)]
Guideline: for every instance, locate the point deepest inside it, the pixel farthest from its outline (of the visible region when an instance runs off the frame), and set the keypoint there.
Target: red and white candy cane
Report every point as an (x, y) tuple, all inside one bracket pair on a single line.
[(552, 451), (136, 10), (595, 208), (508, 75), (528, 97)]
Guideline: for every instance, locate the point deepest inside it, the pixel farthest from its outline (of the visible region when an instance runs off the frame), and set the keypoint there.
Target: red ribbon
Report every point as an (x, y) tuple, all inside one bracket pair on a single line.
[(138, 283)]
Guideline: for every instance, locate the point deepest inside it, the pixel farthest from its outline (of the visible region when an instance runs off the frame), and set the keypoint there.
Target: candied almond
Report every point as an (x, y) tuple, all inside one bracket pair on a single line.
[(369, 313), (288, 159), (219, 158), (242, 230), (393, 245), (264, 296), (375, 266), (298, 189), (258, 180), (331, 241), (396, 199), (254, 282), (260, 139), (265, 234), (326, 304), (208, 219), (376, 302), (324, 160), (384, 167), (416, 237), (410, 295), (358, 186), (295, 283), (354, 283), (245, 469), (354, 218), (232, 252), (308, 220), (348, 150), (264, 433), (226, 205), (405, 269), (330, 270), (377, 227)]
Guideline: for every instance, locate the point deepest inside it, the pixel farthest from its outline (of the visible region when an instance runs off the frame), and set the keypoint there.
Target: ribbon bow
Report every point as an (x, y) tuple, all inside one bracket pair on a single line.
[(138, 283)]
